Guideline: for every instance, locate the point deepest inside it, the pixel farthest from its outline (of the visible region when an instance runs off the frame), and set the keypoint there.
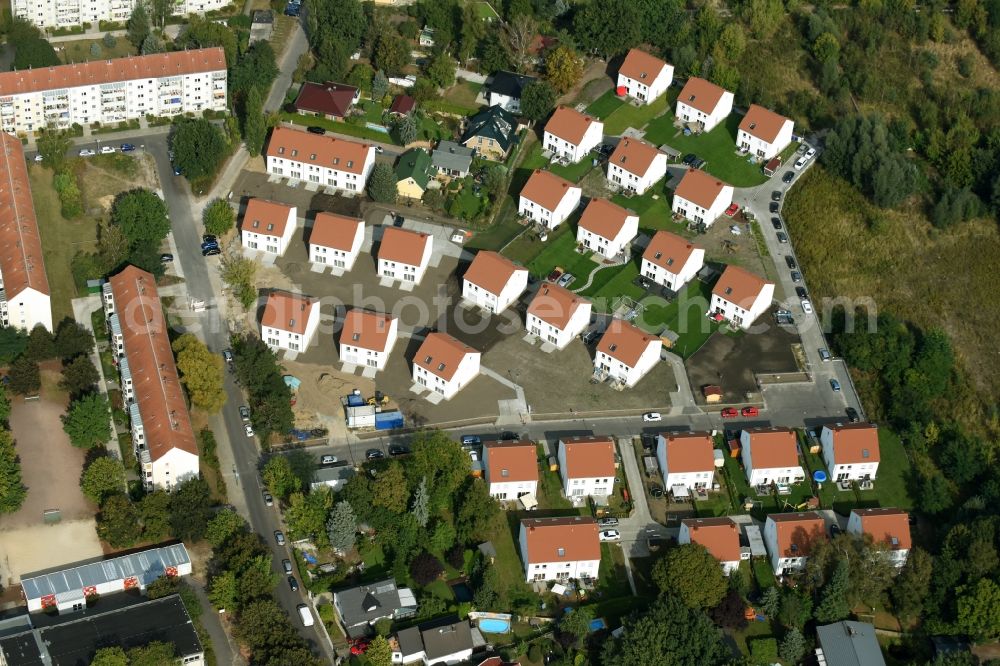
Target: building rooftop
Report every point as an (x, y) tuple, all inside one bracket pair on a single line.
[(640, 66), (604, 218), (700, 188), (329, 99), (669, 251), (325, 151), (625, 342), (511, 462), (855, 443), (773, 447), (569, 124), (689, 452), (403, 246), (491, 271), (335, 231), (568, 539), (365, 603), (287, 312), (762, 123), (452, 156), (366, 329), (849, 643), (701, 95), (719, 536), (266, 217), (589, 457), (555, 305), (509, 84), (739, 286), (494, 123), (546, 189), (634, 156), (440, 354), (797, 532), (415, 163), (887, 525), (21, 262)]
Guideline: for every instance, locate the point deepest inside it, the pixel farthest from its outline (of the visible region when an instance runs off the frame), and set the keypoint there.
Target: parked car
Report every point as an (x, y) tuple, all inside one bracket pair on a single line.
[(655, 491), (471, 440), (379, 149), (248, 429), (810, 153), (107, 150), (279, 537), (268, 499), (801, 292), (399, 450), (374, 454), (210, 245), (782, 238), (177, 170), (749, 411), (211, 252), (796, 276), (327, 460), (565, 279), (774, 207), (244, 412), (509, 436), (39, 158), (293, 584), (776, 223), (801, 162), (788, 177), (689, 159), (610, 535), (776, 195), (87, 152), (807, 306), (824, 354), (790, 261), (209, 238), (834, 384), (312, 129), (227, 355), (732, 210), (607, 522), (652, 416), (554, 275), (126, 147), (834, 530), (166, 258), (286, 566), (730, 413), (852, 415)]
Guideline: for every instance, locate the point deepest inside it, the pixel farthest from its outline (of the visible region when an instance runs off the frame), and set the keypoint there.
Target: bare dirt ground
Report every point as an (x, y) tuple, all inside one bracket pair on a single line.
[(37, 547)]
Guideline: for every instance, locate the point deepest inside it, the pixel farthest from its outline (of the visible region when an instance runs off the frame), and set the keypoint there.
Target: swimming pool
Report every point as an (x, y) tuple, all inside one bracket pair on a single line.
[(492, 625)]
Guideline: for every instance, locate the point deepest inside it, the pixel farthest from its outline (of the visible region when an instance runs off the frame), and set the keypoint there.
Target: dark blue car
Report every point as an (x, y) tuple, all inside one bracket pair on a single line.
[(127, 147)]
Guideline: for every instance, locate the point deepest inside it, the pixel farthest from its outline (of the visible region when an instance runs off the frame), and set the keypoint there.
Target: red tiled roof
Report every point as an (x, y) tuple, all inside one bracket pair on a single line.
[(701, 94), (330, 99), (762, 123), (21, 262), (165, 421), (773, 448), (491, 271), (625, 342), (266, 217), (604, 218), (403, 246), (800, 530), (366, 329), (511, 462), (575, 537), (569, 124), (640, 66), (589, 457), (634, 155), (886, 525), (440, 354), (546, 189), (95, 72), (739, 286), (719, 536), (855, 443), (325, 151), (689, 452), (335, 231), (555, 305), (287, 312), (669, 251), (699, 188), (403, 105)]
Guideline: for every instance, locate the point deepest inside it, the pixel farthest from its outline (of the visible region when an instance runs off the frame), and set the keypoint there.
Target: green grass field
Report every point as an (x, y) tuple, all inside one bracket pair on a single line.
[(653, 207), (338, 127), (561, 252), (685, 315), (572, 172), (79, 50), (717, 148), (504, 230), (605, 105), (635, 116)]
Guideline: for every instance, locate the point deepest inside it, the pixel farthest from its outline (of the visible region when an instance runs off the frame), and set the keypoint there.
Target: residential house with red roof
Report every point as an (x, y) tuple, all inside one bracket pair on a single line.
[(329, 100), (790, 537), (511, 469), (25, 286), (606, 228), (338, 165), (547, 199), (740, 297), (162, 435), (719, 536), (687, 460), (493, 282), (625, 353), (587, 467), (703, 104), (644, 77), (701, 197), (289, 321), (335, 241), (771, 456), (404, 255), (445, 365), (851, 451), (367, 338), (887, 527), (636, 165), (671, 261), (268, 226), (113, 91), (559, 549), (571, 135), (557, 315), (764, 133)]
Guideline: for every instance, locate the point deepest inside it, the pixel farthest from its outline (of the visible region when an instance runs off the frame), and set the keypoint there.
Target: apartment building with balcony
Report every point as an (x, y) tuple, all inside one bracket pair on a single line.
[(66, 13)]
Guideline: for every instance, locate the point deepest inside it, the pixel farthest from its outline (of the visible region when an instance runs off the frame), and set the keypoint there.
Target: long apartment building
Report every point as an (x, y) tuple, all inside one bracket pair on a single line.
[(162, 435), (64, 13), (24, 287), (336, 164), (112, 91)]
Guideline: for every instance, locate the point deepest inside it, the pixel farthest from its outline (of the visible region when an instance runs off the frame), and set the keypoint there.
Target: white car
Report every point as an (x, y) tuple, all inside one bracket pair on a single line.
[(248, 429), (610, 535), (107, 150), (87, 152), (652, 416), (39, 158), (807, 307), (810, 153), (801, 162)]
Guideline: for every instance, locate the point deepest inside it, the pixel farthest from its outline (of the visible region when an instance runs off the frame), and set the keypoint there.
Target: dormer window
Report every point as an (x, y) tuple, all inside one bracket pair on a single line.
[(670, 261), (350, 163), (270, 226), (356, 337), (657, 255), (729, 290), (613, 347), (313, 156), (281, 150), (864, 453), (291, 323), (440, 366), (505, 472), (427, 360), (561, 552), (753, 125), (295, 152)]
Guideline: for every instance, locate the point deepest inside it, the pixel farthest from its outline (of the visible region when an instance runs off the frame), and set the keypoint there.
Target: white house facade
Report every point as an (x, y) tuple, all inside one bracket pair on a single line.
[(703, 104), (445, 365), (851, 451), (770, 456), (367, 338), (625, 354), (268, 226), (671, 261), (719, 536), (66, 13), (587, 467), (556, 315), (493, 282), (336, 241), (113, 91), (789, 539), (644, 77), (636, 165), (404, 255), (571, 135), (888, 528), (701, 197), (548, 199), (740, 297), (511, 469), (764, 133), (289, 321), (606, 228), (686, 460), (336, 164), (559, 549)]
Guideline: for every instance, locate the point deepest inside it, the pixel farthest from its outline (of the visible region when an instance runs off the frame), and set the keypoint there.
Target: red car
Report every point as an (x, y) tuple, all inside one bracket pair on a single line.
[(732, 210), (359, 647), (749, 411), (730, 413)]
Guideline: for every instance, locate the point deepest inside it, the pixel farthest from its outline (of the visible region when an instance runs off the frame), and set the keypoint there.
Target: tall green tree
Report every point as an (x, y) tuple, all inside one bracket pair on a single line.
[(793, 647), (255, 125), (477, 512), (979, 609), (12, 490), (306, 515), (222, 526), (41, 345), (389, 488), (72, 339), (118, 522), (142, 215), (110, 656), (342, 527), (201, 373), (538, 100), (667, 634), (223, 591), (190, 509), (382, 184), (156, 653), (102, 477), (218, 217), (198, 146), (256, 68), (138, 25), (379, 652), (53, 145), (913, 584), (88, 421), (25, 377), (440, 460), (419, 507), (154, 508), (79, 377), (690, 573), (279, 477), (834, 604), (380, 85)]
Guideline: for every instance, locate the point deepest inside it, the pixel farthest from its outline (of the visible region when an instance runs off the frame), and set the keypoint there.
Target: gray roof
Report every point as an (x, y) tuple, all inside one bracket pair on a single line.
[(410, 642), (509, 84), (449, 155), (850, 644), (367, 603), (147, 566), (448, 639), (493, 123), (341, 473)]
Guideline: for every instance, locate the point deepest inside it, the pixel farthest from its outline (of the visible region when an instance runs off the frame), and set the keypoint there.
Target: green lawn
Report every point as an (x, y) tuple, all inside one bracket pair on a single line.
[(508, 561), (79, 50), (763, 572), (717, 148), (612, 580), (653, 208), (561, 252), (716, 505), (572, 172), (635, 116), (464, 94), (606, 290), (685, 315), (485, 11), (372, 111), (465, 204), (501, 232), (339, 127), (440, 589), (605, 105)]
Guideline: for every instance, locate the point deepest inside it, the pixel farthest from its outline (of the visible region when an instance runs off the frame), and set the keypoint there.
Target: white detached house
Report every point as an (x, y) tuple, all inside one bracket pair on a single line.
[(606, 228), (740, 297), (557, 315), (703, 104), (404, 255), (636, 165), (445, 364), (587, 467), (851, 451), (790, 537), (336, 241), (289, 321), (686, 459), (671, 261), (559, 549), (771, 456), (367, 338), (886, 526), (764, 133), (511, 469), (644, 77), (701, 197), (625, 353), (267, 226), (571, 135), (719, 536), (493, 282), (548, 199)]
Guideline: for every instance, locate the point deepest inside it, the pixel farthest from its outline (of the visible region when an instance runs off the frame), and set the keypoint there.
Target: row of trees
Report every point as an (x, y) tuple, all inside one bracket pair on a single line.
[(123, 522), (12, 489), (257, 369)]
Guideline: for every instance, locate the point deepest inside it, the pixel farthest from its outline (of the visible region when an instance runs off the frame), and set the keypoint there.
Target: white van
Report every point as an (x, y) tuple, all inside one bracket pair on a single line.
[(306, 615)]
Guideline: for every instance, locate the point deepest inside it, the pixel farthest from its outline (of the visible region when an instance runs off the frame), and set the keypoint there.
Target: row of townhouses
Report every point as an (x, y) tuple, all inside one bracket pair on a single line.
[(67, 13)]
